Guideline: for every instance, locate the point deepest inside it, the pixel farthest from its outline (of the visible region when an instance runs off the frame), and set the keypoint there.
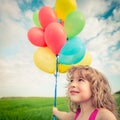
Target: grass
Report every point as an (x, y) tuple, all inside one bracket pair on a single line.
[(117, 98), (29, 108), (33, 108)]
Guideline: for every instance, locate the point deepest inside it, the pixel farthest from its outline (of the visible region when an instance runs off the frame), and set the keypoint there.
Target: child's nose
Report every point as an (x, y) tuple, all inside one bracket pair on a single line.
[(74, 84)]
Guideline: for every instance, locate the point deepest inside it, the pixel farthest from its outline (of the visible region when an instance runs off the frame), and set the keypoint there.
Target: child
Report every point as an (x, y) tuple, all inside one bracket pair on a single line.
[(89, 96)]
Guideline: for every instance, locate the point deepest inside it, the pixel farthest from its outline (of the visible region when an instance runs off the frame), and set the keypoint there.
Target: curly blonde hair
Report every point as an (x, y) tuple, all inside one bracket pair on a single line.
[(100, 88)]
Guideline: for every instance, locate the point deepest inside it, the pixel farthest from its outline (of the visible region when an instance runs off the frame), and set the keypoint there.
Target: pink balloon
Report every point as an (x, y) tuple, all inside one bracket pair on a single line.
[(55, 36), (36, 36), (46, 16)]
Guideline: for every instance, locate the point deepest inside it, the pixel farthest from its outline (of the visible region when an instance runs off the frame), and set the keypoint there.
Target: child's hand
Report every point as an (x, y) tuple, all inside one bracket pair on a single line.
[(55, 110)]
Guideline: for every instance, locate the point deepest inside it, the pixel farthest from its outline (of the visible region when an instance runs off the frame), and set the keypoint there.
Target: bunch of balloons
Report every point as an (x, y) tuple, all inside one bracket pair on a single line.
[(55, 34)]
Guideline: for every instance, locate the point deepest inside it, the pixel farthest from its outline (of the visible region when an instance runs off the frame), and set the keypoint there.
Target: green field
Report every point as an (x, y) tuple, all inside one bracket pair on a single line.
[(29, 108), (33, 108)]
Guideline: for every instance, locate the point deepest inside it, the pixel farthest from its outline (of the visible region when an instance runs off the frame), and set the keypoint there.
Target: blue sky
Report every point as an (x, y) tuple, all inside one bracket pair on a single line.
[(18, 74)]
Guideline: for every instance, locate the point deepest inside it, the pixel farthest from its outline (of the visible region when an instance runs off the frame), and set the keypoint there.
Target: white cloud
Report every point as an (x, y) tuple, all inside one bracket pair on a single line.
[(102, 35), (10, 9), (13, 28), (13, 20), (102, 54), (21, 77), (50, 3), (93, 27), (28, 15), (93, 8), (116, 13)]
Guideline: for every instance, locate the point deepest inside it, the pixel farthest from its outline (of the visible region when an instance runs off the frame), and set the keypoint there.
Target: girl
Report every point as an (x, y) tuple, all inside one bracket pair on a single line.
[(89, 96)]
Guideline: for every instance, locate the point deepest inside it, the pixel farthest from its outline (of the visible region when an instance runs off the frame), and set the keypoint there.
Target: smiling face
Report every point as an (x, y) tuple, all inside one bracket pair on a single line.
[(78, 88)]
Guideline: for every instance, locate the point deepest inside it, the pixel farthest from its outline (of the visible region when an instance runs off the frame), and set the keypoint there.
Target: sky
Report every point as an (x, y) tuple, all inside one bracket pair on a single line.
[(18, 74)]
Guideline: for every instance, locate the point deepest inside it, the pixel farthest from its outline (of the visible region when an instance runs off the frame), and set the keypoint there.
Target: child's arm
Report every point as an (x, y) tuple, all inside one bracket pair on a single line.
[(63, 115)]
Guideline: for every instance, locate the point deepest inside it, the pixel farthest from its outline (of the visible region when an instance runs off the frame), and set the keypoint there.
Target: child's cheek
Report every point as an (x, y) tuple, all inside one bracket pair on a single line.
[(85, 95), (68, 89)]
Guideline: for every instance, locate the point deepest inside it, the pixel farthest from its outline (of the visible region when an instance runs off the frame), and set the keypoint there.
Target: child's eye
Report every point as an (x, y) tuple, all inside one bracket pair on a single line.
[(71, 81), (81, 80)]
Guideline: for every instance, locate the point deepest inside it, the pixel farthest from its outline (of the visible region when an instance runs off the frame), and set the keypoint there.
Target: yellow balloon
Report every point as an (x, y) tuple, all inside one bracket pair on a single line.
[(63, 68), (87, 60), (45, 59), (64, 7)]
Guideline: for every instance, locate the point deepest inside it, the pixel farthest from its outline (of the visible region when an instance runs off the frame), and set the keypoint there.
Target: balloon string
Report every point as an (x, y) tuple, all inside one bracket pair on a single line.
[(55, 92)]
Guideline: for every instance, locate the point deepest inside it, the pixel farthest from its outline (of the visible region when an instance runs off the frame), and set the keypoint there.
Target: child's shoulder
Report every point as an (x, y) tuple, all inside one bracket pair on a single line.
[(105, 114), (104, 110)]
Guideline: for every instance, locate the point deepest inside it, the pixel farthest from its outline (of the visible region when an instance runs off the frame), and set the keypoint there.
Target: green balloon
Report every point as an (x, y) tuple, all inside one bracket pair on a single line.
[(35, 18), (74, 23)]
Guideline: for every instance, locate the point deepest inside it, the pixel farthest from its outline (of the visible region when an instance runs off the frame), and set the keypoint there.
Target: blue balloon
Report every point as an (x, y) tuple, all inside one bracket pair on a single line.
[(72, 52)]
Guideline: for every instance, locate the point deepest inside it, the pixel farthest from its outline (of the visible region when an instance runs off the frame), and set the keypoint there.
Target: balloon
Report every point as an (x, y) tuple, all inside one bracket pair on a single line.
[(55, 36), (72, 52), (74, 23), (63, 68), (61, 22), (45, 59), (87, 60), (36, 36), (46, 16), (64, 7), (35, 18)]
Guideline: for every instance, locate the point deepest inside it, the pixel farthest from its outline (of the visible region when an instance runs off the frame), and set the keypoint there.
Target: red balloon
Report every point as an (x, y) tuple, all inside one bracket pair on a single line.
[(36, 36), (62, 23), (55, 37), (46, 16)]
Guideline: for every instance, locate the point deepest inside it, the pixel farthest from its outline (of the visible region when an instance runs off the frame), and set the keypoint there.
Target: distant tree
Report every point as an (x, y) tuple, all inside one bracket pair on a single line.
[(118, 92)]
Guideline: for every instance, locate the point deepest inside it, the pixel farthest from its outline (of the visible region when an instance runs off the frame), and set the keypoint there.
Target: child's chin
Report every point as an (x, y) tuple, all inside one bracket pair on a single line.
[(75, 100)]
